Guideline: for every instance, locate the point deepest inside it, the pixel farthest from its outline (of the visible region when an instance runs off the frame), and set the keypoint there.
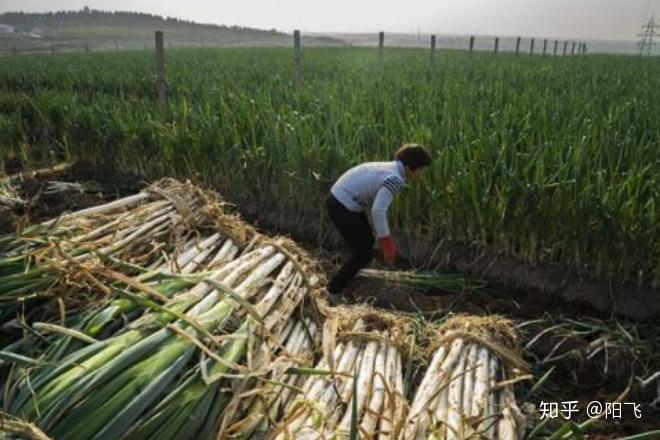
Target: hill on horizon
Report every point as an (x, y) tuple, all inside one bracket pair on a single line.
[(95, 29), (91, 29)]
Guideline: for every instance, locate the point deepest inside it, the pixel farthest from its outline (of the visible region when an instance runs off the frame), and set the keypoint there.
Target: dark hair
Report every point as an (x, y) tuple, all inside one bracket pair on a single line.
[(413, 156)]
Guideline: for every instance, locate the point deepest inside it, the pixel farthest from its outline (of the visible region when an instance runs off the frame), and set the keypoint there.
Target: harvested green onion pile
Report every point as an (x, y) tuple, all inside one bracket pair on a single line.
[(357, 387), (52, 342), (179, 330), (176, 355), (181, 321), (44, 260), (464, 392)]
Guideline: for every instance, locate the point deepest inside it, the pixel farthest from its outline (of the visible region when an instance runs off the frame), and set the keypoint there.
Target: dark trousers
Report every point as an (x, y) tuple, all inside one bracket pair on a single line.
[(356, 230)]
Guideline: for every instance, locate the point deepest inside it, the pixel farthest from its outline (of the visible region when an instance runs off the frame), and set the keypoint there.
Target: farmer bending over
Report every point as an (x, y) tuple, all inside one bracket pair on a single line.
[(371, 185)]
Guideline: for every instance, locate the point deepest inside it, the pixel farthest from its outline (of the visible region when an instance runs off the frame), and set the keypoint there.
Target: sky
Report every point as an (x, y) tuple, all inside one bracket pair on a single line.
[(603, 19)]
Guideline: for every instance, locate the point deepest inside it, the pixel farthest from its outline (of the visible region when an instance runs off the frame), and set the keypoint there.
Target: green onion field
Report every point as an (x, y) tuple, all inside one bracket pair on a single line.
[(161, 314), (547, 159)]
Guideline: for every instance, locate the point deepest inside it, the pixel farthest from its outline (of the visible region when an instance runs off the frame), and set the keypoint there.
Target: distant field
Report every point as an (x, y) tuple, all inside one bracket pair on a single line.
[(552, 160), (486, 42), (98, 38)]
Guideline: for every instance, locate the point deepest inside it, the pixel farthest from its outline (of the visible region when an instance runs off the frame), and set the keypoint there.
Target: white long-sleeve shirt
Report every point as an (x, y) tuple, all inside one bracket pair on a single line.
[(371, 185)]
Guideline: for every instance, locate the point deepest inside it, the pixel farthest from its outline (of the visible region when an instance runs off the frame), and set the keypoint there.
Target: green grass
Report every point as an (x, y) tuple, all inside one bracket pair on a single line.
[(546, 159)]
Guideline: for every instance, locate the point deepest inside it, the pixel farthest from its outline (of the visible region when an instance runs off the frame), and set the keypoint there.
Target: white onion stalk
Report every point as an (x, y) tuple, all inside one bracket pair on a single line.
[(100, 209), (126, 225), (335, 408), (312, 389), (191, 259), (336, 412), (418, 418), (224, 254), (455, 397), (481, 385), (425, 392), (303, 345), (375, 407), (386, 428), (147, 212), (506, 426), (328, 395), (364, 381), (297, 343), (491, 413), (142, 231), (330, 399), (398, 418), (468, 389)]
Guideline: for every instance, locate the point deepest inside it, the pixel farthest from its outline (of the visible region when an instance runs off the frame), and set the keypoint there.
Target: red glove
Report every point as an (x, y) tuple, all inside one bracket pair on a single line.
[(389, 251)]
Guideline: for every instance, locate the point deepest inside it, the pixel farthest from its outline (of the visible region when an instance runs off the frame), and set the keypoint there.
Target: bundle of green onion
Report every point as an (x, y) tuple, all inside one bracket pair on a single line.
[(50, 343), (112, 387), (39, 262), (264, 405), (201, 334), (357, 388), (465, 393)]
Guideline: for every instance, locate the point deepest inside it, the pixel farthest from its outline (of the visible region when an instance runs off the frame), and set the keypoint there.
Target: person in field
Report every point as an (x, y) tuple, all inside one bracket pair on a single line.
[(369, 186)]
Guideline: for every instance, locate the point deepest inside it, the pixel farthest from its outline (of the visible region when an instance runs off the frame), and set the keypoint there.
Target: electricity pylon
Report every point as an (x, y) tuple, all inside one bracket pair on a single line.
[(649, 31)]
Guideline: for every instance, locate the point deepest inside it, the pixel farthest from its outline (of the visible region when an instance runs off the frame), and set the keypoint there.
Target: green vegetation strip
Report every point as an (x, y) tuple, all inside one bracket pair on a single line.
[(547, 159)]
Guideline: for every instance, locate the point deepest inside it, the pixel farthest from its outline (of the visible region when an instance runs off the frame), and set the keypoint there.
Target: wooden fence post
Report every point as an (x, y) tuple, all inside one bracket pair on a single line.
[(556, 45), (565, 47), (297, 57), (160, 68), (545, 46), (432, 55), (517, 45), (573, 49), (471, 44), (497, 44), (531, 47), (381, 47)]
